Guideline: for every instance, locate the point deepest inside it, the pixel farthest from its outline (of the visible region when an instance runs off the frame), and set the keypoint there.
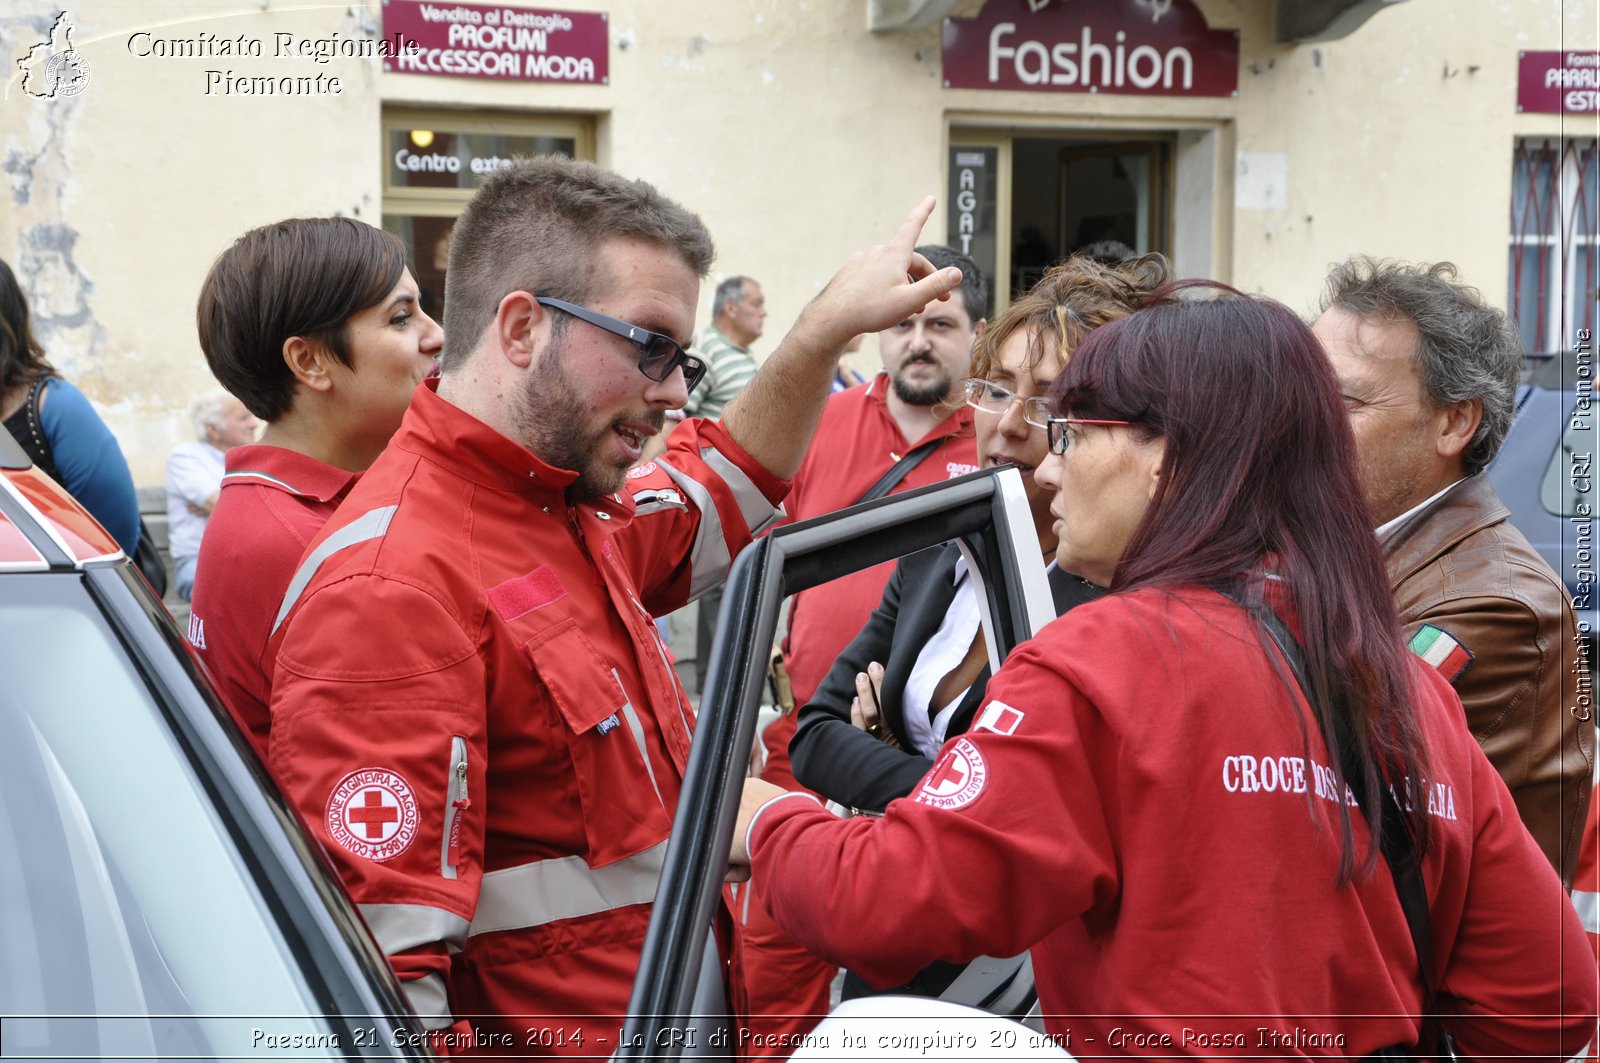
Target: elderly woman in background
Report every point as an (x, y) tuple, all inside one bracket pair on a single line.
[(1174, 795), (57, 427)]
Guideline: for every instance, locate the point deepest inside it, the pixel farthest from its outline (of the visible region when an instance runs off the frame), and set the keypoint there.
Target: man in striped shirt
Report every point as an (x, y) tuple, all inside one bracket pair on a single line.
[(738, 310)]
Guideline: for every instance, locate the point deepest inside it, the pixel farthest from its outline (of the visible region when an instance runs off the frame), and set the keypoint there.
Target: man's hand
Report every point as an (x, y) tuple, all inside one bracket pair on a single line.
[(757, 792), (877, 288), (774, 417)]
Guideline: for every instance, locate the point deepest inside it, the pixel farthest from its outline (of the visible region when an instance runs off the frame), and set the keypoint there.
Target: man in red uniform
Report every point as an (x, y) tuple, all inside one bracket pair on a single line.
[(914, 402), (471, 706)]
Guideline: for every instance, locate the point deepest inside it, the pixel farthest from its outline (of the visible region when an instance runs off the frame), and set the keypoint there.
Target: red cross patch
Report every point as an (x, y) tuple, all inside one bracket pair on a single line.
[(373, 813), (957, 778)]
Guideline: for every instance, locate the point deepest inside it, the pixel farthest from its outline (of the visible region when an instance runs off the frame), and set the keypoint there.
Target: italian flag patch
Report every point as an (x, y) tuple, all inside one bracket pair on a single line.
[(1441, 651)]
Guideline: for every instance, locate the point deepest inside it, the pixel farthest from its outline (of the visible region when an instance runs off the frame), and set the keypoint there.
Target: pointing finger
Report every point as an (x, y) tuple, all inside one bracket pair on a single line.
[(911, 228)]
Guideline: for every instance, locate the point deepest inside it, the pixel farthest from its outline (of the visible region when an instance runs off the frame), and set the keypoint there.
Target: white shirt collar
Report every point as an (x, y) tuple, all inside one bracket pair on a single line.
[(1386, 528)]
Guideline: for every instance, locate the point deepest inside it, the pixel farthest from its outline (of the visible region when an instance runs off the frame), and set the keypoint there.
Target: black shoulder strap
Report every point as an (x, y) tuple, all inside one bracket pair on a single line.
[(40, 450), (899, 469), (1392, 836)]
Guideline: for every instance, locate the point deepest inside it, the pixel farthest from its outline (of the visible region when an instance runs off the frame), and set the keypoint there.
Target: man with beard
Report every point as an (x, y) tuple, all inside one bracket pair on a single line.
[(472, 709), (912, 407)]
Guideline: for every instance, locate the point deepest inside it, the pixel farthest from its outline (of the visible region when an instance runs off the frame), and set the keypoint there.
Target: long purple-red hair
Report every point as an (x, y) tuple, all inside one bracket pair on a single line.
[(1260, 464)]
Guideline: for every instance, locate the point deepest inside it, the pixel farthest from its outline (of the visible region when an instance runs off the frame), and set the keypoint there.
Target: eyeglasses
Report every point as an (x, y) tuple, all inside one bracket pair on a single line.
[(1060, 430), (994, 398), (658, 355)]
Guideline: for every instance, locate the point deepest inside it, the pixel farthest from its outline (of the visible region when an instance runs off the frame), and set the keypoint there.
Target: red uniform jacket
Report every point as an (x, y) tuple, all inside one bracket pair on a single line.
[(1144, 805), (473, 710)]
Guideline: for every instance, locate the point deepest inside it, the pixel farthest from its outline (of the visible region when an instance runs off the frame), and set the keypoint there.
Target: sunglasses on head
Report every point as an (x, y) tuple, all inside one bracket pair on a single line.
[(658, 355)]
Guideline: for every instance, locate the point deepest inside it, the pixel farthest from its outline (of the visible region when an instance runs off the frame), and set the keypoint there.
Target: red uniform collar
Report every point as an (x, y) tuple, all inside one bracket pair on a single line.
[(286, 470), (450, 437)]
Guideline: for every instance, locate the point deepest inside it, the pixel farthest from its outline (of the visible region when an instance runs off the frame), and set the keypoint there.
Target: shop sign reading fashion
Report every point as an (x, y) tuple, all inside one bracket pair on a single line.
[(1558, 82), (519, 44), (1130, 47)]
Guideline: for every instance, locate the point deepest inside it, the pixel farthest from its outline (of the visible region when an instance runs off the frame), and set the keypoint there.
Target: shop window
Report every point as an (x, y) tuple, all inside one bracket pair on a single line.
[(434, 161), (1555, 211)]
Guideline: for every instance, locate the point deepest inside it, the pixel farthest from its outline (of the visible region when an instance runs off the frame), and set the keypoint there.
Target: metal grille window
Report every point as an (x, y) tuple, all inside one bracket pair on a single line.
[(1555, 240)]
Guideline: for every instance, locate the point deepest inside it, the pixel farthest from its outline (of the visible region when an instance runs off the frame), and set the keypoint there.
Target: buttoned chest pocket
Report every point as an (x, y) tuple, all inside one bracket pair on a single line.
[(623, 811)]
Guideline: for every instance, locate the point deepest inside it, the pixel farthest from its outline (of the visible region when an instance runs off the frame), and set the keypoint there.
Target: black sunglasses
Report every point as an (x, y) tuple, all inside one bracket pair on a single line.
[(658, 355)]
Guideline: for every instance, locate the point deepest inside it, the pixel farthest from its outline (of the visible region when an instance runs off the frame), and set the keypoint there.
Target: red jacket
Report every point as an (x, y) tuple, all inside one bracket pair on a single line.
[(473, 710), (1139, 804)]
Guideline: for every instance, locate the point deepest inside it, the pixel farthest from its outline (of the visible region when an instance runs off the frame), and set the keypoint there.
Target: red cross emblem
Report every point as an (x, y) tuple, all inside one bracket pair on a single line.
[(947, 771), (957, 778), (372, 813)]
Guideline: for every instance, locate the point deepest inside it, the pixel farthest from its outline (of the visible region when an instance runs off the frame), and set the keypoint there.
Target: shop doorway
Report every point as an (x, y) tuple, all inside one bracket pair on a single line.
[(1103, 197), (1021, 201)]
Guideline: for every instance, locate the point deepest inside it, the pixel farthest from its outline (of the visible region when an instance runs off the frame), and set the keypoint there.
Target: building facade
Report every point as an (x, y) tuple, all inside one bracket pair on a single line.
[(1254, 141)]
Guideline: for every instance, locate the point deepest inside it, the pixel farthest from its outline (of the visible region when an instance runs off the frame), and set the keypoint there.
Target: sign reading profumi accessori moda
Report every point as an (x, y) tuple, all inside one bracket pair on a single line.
[(513, 43), (1130, 47), (1558, 82)]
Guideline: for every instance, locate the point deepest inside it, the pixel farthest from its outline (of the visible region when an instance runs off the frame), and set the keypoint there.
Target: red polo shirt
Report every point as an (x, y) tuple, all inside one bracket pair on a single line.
[(272, 504)]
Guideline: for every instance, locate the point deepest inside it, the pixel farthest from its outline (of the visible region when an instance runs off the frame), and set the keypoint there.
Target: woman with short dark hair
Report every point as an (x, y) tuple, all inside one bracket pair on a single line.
[(314, 324), (1172, 795)]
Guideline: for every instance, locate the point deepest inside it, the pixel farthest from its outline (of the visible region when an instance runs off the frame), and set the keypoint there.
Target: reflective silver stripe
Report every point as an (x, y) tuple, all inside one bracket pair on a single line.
[(1588, 906), (639, 740), (564, 888), (709, 559), (401, 927), (758, 513), (429, 1000), (370, 525)]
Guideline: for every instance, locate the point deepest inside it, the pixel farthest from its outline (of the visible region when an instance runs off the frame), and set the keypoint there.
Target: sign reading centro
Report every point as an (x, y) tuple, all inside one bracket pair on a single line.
[(521, 44), (1131, 47)]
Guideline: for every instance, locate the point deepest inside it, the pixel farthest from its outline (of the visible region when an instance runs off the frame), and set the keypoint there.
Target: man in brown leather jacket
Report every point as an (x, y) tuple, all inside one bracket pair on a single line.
[(1429, 373)]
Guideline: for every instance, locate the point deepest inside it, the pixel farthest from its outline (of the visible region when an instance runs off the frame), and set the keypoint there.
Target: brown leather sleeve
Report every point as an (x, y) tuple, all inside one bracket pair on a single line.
[(1527, 700)]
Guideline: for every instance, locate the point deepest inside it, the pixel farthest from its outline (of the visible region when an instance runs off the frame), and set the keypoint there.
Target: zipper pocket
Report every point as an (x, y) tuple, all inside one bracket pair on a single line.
[(456, 805)]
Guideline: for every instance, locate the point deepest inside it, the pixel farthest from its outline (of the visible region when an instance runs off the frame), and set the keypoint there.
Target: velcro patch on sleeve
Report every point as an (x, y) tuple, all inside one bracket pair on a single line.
[(520, 596), (1440, 650)]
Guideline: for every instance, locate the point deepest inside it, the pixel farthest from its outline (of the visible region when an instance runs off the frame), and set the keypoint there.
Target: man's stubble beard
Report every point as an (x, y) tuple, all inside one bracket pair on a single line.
[(550, 422)]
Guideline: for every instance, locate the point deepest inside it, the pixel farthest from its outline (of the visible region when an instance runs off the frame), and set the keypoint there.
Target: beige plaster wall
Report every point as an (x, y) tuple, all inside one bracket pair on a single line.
[(797, 134), (120, 197), (1398, 139)]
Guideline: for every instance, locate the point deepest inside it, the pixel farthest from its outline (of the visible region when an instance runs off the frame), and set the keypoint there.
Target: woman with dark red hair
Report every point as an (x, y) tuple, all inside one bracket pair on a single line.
[(1200, 799)]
